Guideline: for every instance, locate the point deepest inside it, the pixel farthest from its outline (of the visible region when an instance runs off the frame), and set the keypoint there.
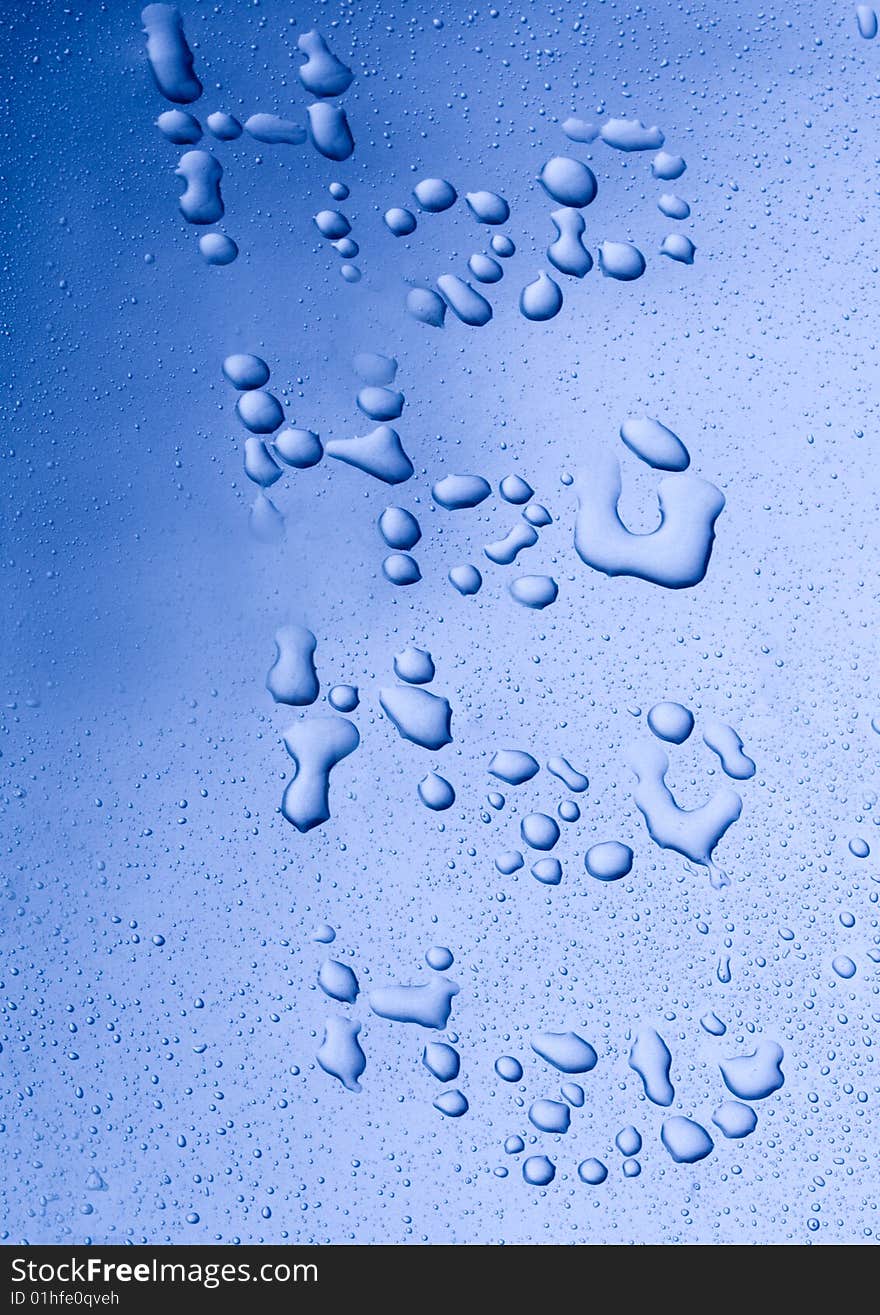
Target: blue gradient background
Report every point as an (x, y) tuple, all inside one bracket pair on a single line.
[(138, 616)]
